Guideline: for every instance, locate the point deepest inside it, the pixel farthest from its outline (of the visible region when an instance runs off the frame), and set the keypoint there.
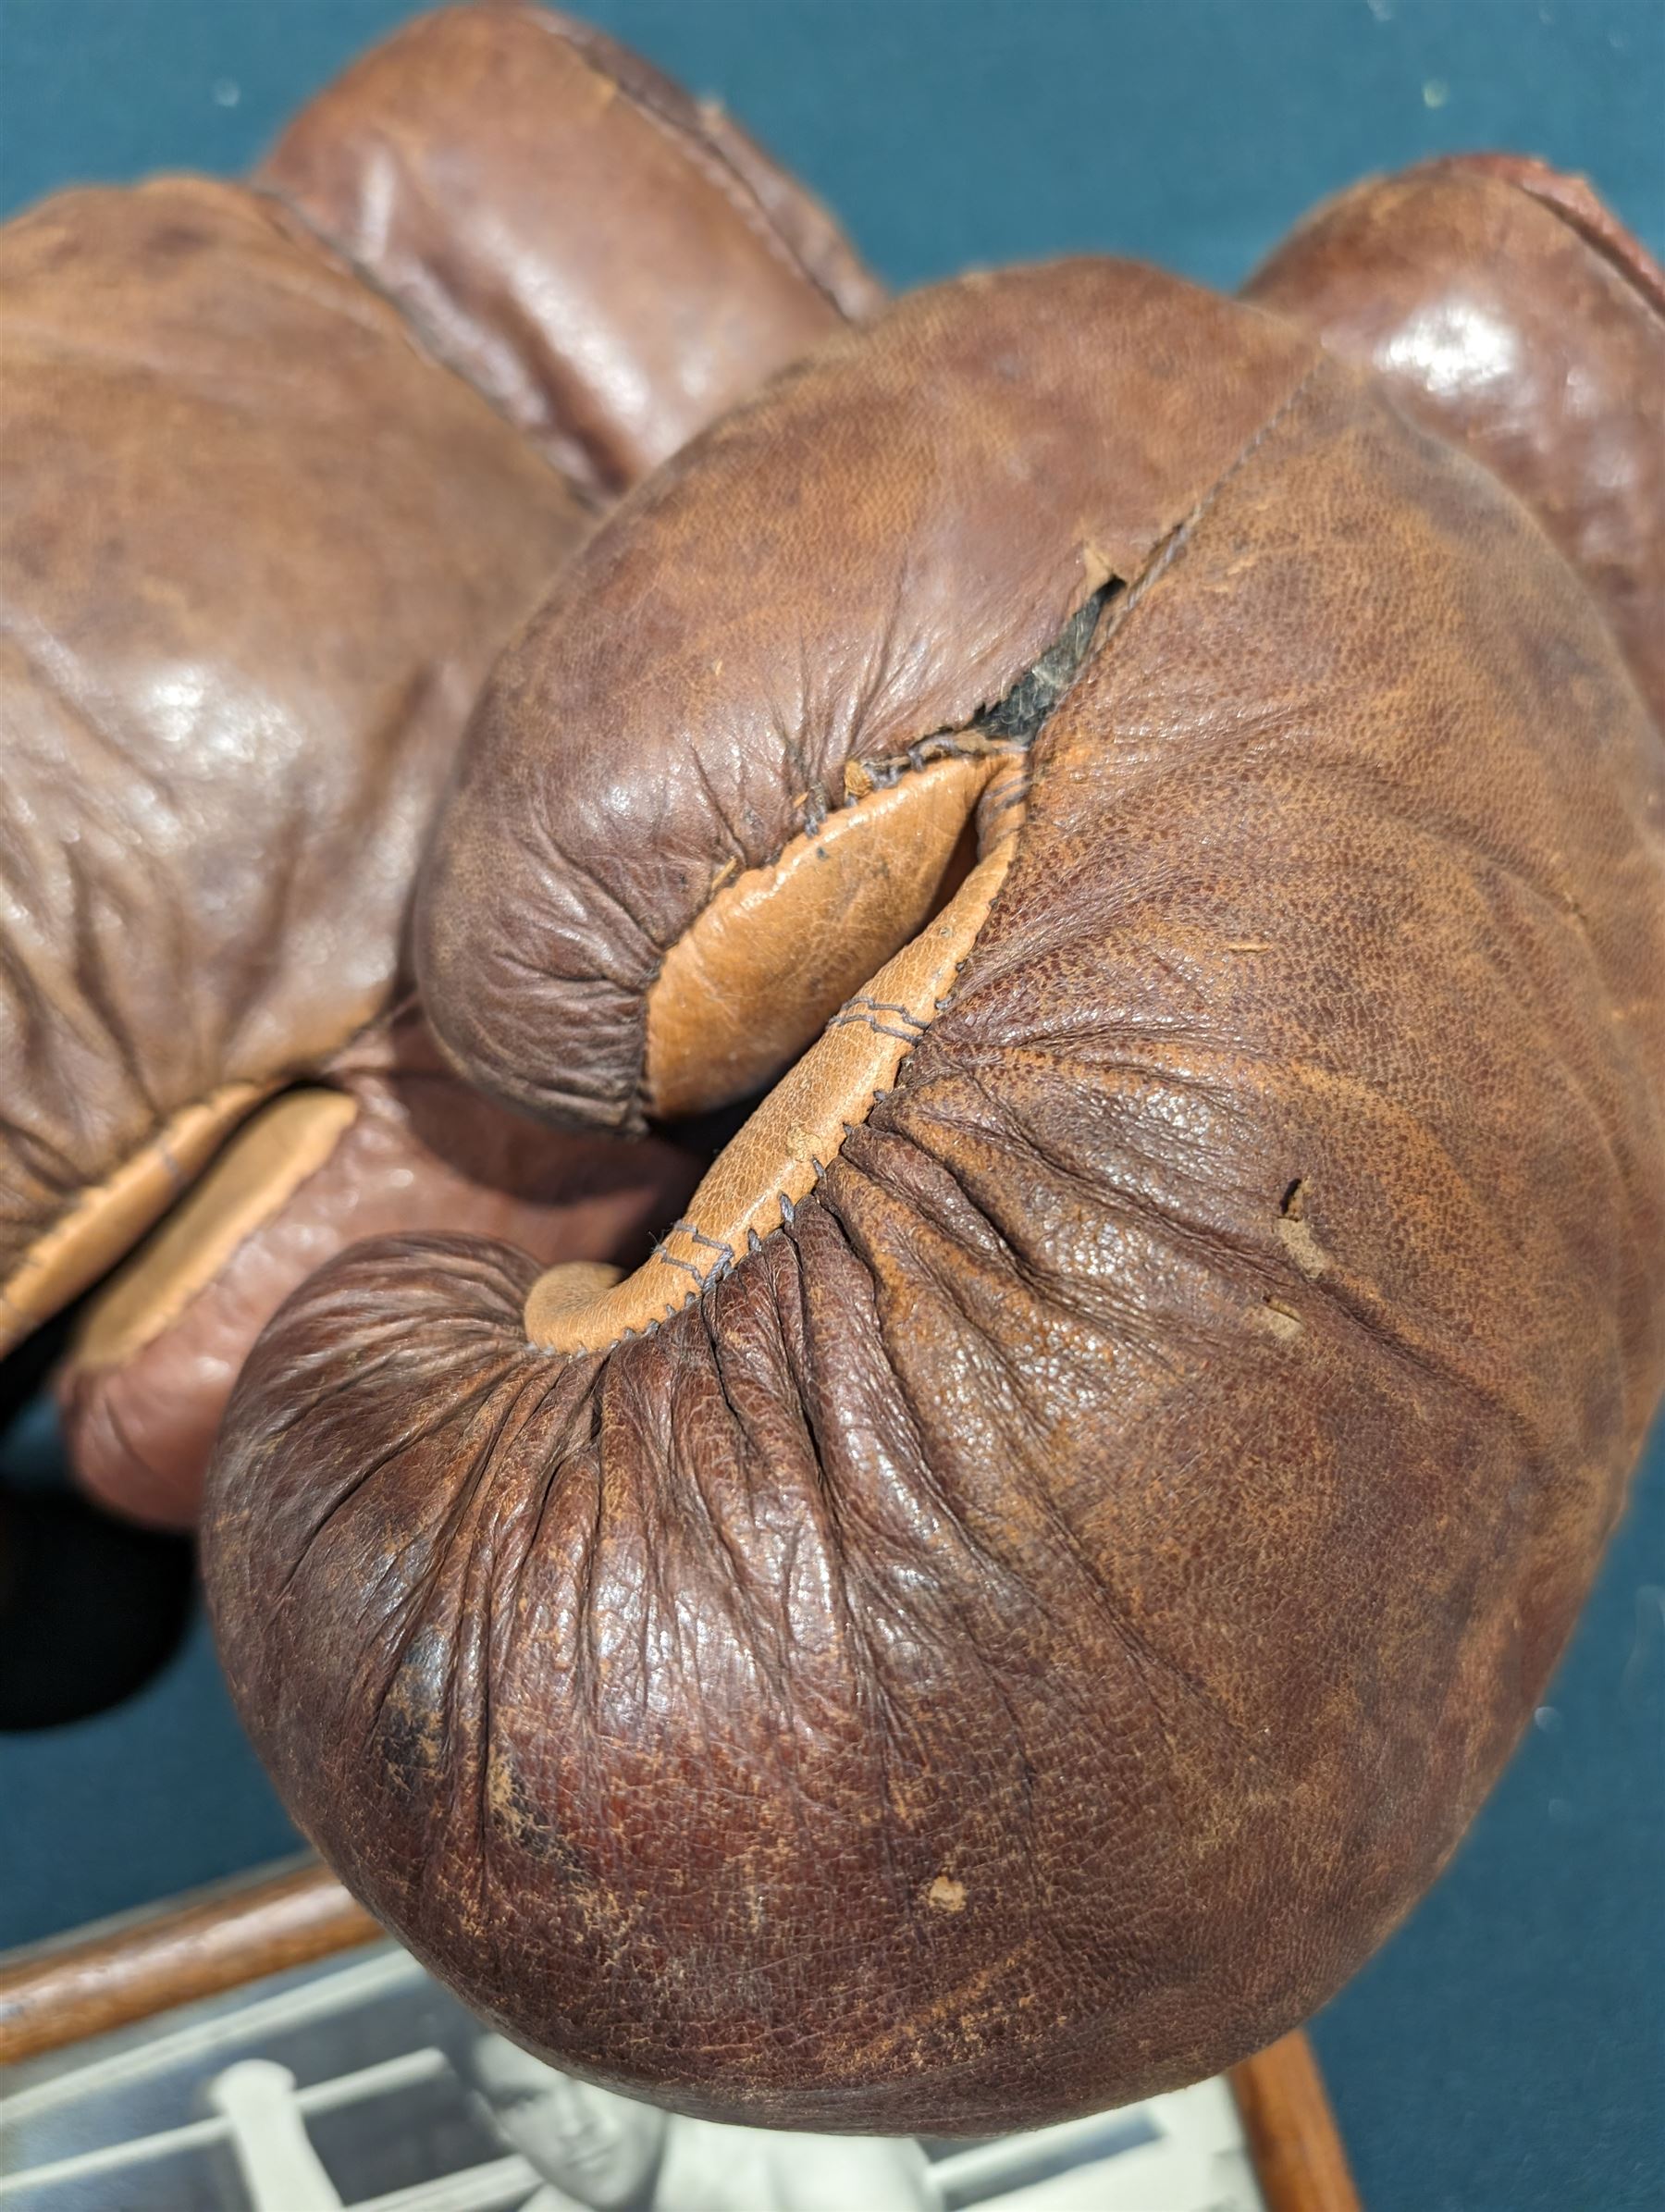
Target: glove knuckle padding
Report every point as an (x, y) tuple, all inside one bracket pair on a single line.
[(1507, 309), (697, 739), (1017, 1631), (610, 283)]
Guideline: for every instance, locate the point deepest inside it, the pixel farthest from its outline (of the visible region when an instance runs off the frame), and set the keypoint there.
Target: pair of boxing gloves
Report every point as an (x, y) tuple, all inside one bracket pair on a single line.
[(1028, 1578)]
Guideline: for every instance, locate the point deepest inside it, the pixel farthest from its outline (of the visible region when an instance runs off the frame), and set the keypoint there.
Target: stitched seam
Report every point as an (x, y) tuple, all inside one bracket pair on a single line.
[(862, 1010), (155, 1143), (1596, 227), (1178, 541), (424, 340), (946, 744), (1164, 558), (269, 1088), (1118, 612), (982, 737)]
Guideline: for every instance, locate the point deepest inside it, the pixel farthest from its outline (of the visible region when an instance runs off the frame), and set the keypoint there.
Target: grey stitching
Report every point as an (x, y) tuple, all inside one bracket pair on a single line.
[(885, 1006), (880, 1029)]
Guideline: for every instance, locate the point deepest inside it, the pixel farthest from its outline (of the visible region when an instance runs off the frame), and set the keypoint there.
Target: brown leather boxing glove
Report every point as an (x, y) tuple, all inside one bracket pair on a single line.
[(1017, 1597), (285, 465)]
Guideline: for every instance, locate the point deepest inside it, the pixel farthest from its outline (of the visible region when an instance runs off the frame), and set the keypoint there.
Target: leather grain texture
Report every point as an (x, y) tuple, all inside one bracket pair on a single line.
[(260, 553), (1027, 1632), (152, 1361), (669, 663)]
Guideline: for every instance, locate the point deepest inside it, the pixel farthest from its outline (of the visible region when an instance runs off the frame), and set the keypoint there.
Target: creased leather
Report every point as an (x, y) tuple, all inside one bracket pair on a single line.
[(634, 734), (1032, 1627), (775, 951), (260, 553), (143, 1407), (270, 513)]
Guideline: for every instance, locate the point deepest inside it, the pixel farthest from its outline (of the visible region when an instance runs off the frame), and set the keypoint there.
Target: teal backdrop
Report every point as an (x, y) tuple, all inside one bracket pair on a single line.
[(1506, 2052)]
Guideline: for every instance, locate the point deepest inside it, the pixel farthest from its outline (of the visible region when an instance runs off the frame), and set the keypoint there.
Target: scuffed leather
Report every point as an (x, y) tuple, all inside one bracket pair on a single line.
[(271, 510), (421, 1148), (1033, 1625)]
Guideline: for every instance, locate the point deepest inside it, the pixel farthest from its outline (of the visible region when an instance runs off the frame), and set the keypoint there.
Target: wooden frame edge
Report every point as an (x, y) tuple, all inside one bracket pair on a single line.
[(1299, 2157), (60, 1994)]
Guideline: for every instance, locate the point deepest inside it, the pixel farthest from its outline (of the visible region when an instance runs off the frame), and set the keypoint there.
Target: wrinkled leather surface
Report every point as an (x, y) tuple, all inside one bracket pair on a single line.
[(1029, 1630), (1508, 311), (259, 553), (270, 514), (669, 661)]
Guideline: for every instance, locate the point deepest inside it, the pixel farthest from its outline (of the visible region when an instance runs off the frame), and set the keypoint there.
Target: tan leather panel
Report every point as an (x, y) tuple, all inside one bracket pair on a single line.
[(778, 1158), (421, 1152), (780, 948), (231, 692), (111, 1215), (1140, 1494), (255, 1175), (576, 1288)]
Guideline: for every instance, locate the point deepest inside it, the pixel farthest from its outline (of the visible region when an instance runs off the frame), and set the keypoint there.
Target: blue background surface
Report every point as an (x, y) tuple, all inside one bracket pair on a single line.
[(1506, 2051)]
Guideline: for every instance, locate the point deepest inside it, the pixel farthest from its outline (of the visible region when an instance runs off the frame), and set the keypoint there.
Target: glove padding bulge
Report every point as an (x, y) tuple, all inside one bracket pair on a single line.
[(1017, 1598), (610, 262), (1510, 311), (267, 529)]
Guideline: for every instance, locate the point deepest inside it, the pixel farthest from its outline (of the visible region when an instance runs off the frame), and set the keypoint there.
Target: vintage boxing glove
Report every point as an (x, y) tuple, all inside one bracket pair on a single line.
[(279, 484), (1017, 1598)]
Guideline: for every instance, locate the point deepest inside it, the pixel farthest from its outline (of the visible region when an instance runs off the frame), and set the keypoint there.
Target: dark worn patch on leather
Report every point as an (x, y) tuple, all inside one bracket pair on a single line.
[(1020, 715)]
